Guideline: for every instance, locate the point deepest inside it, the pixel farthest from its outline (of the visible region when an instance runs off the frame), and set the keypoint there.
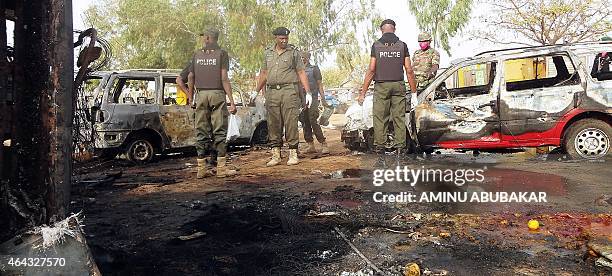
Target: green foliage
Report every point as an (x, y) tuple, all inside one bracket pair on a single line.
[(546, 22), (164, 33), (441, 18)]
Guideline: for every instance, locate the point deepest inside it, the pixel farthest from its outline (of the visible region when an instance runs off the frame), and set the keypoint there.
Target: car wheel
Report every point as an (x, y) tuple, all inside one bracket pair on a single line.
[(108, 154), (588, 139), (260, 135), (140, 151)]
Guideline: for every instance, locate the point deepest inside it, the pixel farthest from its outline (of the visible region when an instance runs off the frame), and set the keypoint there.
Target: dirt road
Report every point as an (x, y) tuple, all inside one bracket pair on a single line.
[(282, 220)]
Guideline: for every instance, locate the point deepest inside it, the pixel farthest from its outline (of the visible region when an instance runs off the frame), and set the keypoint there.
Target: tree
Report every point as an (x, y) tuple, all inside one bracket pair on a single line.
[(349, 75), (163, 33), (443, 19), (546, 22)]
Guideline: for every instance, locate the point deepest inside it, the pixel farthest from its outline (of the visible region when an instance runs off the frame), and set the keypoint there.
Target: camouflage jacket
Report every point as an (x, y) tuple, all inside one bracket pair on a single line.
[(422, 61)]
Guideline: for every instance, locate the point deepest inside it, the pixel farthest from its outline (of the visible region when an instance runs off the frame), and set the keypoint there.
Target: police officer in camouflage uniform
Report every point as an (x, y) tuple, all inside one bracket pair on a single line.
[(389, 59), (281, 71), (310, 116), (207, 74), (425, 62)]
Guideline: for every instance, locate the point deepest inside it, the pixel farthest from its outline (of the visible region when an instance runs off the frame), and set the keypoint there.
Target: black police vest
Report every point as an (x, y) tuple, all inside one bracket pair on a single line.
[(389, 61), (207, 69)]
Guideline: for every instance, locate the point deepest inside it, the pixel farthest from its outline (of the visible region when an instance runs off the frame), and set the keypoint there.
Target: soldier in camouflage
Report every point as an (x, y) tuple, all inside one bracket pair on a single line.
[(425, 62)]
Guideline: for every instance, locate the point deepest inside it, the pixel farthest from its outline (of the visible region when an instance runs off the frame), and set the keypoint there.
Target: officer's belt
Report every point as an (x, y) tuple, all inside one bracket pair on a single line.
[(279, 86)]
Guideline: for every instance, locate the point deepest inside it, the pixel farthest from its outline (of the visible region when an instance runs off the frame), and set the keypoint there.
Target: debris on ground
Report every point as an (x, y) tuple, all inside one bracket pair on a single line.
[(193, 236), (363, 272), (412, 269), (533, 225), (603, 251)]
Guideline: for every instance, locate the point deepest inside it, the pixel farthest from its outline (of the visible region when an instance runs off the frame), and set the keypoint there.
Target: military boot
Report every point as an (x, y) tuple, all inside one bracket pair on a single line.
[(293, 157), (324, 148), (276, 157), (222, 170), (310, 148), (204, 169)]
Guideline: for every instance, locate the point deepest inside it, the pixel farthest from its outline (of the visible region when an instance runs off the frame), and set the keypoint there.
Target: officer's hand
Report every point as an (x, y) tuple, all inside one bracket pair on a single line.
[(308, 101), (232, 108), (360, 99), (324, 102)]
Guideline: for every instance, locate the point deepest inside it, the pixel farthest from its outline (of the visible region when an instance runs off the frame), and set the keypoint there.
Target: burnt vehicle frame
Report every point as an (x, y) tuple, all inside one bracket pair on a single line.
[(563, 105), (139, 113)]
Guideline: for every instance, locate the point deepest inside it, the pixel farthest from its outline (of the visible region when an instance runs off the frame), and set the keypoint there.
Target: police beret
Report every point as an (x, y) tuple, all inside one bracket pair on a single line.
[(387, 21), (281, 31), (210, 32)]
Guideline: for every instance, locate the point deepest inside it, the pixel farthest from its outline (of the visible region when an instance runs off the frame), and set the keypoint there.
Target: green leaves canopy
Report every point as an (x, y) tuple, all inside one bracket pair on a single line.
[(164, 33), (441, 18)]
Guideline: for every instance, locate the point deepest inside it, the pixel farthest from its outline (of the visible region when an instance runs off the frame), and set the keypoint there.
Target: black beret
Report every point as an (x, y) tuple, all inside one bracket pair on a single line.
[(281, 31), (387, 21)]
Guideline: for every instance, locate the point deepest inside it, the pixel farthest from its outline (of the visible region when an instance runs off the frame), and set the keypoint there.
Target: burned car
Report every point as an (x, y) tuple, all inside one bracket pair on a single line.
[(143, 112), (509, 99)]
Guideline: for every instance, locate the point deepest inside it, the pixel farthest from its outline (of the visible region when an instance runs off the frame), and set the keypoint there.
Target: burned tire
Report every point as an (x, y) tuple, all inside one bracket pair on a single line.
[(108, 154), (260, 135), (140, 151), (588, 139)]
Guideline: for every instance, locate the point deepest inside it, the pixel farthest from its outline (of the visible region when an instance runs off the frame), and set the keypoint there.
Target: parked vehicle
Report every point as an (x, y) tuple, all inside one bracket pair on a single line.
[(143, 112), (508, 99)]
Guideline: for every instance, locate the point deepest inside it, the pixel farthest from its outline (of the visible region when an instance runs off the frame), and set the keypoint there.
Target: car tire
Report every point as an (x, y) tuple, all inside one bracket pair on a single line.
[(140, 151), (108, 154), (260, 135), (588, 139)]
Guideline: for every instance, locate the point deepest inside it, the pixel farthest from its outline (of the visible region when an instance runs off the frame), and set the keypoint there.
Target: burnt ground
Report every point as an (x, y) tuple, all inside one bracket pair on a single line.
[(281, 220)]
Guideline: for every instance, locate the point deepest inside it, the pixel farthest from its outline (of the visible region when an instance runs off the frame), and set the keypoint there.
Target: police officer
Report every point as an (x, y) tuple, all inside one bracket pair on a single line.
[(310, 116), (282, 68), (207, 75), (425, 62), (389, 59), (601, 64)]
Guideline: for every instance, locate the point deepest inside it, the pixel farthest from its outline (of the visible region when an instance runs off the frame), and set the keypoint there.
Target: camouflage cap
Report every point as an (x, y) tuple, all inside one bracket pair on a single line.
[(210, 32), (305, 54), (281, 31), (424, 37)]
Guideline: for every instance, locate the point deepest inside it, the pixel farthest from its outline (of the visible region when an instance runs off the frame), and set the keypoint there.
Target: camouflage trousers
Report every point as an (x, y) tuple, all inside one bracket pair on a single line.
[(389, 107), (282, 106), (422, 82), (211, 122)]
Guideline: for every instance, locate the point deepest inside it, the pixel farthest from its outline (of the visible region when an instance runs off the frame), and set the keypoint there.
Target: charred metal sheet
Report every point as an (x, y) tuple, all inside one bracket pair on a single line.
[(39, 176), (251, 117), (178, 124)]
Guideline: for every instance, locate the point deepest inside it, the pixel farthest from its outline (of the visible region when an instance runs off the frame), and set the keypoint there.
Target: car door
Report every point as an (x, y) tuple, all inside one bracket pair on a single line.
[(459, 109), (176, 115), (536, 92)]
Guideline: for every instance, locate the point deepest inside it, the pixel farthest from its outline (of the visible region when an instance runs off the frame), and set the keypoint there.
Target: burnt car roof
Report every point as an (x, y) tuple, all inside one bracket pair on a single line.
[(141, 72), (501, 53)]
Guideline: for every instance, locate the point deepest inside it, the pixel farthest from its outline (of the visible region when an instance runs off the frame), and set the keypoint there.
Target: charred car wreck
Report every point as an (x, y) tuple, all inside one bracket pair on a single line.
[(508, 99), (143, 112)]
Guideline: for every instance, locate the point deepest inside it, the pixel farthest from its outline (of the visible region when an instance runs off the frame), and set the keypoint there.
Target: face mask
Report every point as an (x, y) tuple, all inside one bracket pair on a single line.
[(424, 45)]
